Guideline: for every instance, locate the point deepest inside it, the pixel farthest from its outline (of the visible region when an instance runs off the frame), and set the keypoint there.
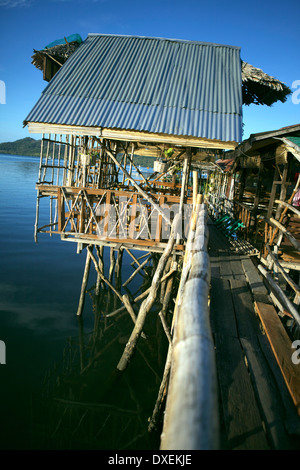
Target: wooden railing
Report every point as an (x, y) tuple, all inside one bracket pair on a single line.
[(192, 417), (115, 215), (281, 257)]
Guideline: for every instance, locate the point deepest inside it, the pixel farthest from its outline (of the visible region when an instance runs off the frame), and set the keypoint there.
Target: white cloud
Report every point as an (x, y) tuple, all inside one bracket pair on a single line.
[(80, 1), (15, 3)]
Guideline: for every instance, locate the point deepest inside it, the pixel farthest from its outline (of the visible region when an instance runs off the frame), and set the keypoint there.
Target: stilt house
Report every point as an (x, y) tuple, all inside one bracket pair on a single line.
[(116, 97)]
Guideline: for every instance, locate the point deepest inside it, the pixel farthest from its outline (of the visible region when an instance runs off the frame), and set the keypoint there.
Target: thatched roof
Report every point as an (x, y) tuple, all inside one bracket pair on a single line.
[(260, 88), (59, 53)]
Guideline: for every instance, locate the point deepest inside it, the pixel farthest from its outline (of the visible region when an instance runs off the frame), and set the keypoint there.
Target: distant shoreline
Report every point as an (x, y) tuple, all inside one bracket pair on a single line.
[(15, 154)]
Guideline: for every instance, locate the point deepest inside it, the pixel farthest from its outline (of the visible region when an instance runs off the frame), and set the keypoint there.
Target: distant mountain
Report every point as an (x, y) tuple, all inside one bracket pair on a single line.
[(32, 147), (27, 146)]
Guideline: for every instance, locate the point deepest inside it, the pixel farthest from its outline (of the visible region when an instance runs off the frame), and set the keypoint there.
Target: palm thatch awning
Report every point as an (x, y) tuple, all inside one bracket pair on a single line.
[(260, 88), (52, 57)]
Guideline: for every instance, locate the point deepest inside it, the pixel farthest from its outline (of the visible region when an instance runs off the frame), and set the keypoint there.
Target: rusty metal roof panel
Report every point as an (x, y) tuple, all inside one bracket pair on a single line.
[(167, 86)]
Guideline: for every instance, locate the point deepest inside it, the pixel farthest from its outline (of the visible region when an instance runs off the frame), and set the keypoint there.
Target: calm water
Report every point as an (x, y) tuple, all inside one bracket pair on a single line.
[(59, 386)]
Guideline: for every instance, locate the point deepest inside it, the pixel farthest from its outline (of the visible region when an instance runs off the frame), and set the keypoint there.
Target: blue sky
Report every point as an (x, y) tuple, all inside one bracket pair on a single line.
[(266, 31)]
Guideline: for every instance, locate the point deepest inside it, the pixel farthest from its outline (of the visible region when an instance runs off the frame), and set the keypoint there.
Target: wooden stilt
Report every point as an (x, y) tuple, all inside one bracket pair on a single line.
[(84, 281), (119, 268), (149, 301), (136, 260), (135, 272), (124, 299), (163, 284), (143, 295), (101, 267), (195, 188), (162, 392), (112, 264)]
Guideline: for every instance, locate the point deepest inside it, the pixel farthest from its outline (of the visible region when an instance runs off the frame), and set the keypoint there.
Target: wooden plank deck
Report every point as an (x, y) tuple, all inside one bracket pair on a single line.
[(256, 407)]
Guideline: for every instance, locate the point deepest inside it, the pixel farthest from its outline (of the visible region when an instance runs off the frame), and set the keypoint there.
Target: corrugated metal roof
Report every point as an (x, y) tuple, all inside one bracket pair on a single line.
[(294, 139), (147, 84)]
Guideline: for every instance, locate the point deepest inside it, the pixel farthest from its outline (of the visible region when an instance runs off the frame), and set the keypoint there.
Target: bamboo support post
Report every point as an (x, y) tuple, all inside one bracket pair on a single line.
[(111, 265), (84, 281), (136, 260), (163, 283), (195, 188), (149, 301), (161, 393), (101, 267), (138, 269), (124, 299), (144, 294), (118, 269)]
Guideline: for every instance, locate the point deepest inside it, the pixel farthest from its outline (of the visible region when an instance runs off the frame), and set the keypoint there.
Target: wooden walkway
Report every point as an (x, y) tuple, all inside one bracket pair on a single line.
[(256, 408)]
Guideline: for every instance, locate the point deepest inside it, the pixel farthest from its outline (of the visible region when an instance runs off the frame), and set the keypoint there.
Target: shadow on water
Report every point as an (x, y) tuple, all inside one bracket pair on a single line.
[(85, 402)]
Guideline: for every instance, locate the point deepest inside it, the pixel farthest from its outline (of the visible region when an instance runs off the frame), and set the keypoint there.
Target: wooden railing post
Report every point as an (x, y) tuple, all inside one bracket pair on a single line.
[(60, 210)]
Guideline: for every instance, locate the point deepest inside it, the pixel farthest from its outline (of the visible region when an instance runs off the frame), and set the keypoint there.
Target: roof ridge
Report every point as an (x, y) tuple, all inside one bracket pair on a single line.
[(189, 41)]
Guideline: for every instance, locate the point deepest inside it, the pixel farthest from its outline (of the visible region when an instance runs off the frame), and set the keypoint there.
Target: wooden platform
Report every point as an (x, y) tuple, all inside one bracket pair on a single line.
[(257, 411)]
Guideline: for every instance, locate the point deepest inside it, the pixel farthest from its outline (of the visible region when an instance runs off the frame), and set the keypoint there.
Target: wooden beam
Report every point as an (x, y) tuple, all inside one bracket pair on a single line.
[(282, 298), (133, 136), (288, 206), (282, 349)]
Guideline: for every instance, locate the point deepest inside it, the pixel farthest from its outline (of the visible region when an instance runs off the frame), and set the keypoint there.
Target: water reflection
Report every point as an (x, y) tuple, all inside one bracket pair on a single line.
[(83, 402), (86, 403)]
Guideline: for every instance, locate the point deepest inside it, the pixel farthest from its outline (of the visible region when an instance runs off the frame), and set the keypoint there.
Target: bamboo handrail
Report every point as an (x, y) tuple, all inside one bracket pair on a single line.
[(191, 419)]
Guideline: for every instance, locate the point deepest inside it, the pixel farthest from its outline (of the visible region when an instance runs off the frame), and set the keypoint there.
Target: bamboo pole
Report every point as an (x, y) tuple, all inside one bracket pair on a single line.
[(292, 239), (288, 279), (138, 269), (191, 415), (144, 294), (84, 281), (149, 301), (195, 188), (136, 260), (101, 267), (112, 264), (161, 393), (187, 259), (285, 302), (285, 210), (288, 206), (119, 267), (124, 299)]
